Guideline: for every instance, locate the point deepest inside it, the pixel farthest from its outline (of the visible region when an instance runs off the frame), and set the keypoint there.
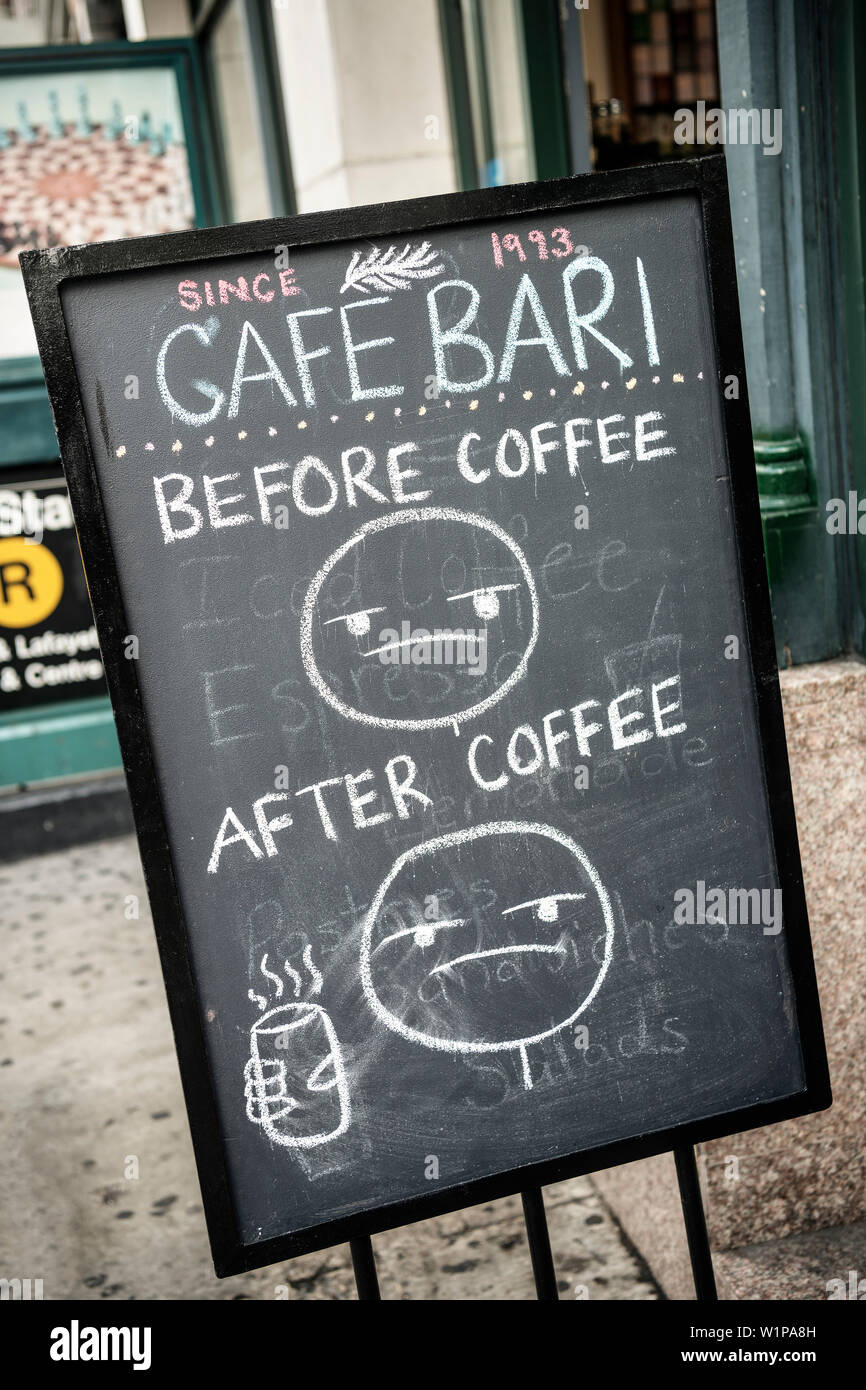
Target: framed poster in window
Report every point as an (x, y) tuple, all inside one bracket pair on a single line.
[(96, 144)]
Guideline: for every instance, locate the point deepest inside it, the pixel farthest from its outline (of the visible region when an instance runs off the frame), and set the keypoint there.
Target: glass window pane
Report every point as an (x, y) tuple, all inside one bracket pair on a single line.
[(506, 87), (365, 99), (240, 135)]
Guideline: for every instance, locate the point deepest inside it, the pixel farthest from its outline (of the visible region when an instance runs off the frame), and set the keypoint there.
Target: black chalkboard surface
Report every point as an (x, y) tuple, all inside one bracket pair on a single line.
[(424, 548)]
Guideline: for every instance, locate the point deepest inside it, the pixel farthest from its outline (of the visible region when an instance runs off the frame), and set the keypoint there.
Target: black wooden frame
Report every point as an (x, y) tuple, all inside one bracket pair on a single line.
[(45, 274)]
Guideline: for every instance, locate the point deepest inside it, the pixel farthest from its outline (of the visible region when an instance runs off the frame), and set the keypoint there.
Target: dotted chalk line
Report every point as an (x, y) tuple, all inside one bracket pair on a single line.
[(578, 389)]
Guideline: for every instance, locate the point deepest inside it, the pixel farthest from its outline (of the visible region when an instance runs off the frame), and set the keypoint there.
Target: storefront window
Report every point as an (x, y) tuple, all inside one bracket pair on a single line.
[(26, 23), (497, 85), (366, 101), (273, 106), (233, 80), (645, 61)]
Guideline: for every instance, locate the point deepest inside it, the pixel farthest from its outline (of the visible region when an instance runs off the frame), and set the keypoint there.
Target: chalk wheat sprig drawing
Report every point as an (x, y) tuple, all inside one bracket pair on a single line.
[(390, 270)]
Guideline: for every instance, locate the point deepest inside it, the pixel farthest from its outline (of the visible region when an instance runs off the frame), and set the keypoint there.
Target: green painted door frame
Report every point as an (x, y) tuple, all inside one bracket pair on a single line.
[(546, 89), (545, 77), (792, 214), (257, 20), (849, 90)]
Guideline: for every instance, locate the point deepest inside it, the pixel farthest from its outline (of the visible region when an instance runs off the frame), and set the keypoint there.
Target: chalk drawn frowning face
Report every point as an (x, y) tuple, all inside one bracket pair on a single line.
[(421, 620), (487, 939)]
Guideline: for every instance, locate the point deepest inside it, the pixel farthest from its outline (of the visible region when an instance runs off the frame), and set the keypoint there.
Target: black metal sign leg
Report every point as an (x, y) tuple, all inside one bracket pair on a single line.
[(696, 1225), (539, 1244), (364, 1265)]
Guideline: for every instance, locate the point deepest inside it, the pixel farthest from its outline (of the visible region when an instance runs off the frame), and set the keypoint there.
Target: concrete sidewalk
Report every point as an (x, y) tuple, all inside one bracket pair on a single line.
[(90, 1096)]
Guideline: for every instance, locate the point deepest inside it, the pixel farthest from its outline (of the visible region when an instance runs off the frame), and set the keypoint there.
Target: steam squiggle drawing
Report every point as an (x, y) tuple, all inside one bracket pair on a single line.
[(270, 975), (315, 973), (294, 977)]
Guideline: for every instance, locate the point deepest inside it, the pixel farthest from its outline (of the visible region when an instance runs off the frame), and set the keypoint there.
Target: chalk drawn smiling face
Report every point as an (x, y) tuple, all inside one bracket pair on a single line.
[(487, 939), (421, 620)]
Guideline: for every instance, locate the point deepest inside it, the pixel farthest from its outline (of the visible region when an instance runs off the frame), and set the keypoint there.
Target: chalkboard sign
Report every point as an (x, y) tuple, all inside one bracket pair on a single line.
[(424, 548)]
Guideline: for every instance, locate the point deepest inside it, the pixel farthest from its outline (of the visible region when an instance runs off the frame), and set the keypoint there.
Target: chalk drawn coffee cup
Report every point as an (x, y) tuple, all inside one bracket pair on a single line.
[(295, 1082)]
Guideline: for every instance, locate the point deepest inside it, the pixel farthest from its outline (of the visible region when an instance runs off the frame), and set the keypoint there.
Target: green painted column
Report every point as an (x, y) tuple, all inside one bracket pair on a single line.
[(849, 90), (774, 57)]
